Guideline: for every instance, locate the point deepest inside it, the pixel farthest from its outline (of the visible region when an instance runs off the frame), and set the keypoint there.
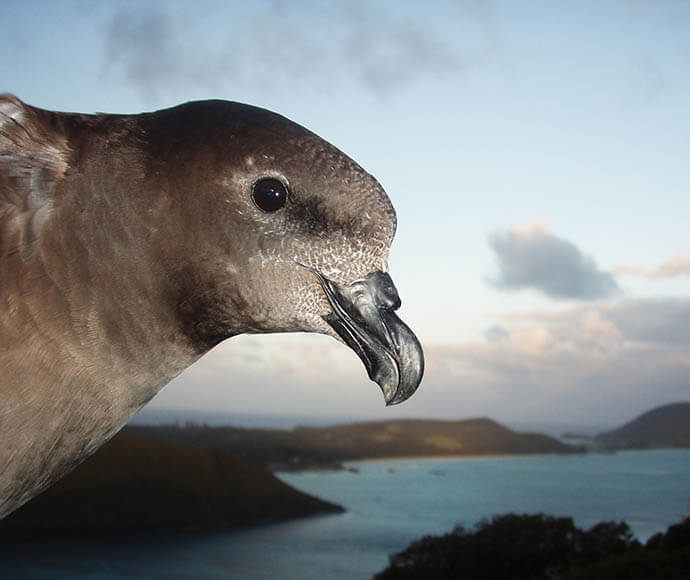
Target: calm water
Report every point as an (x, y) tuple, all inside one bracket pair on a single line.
[(389, 504)]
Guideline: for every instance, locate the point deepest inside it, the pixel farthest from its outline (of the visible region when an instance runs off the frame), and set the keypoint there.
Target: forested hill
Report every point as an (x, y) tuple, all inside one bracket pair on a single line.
[(666, 426), (140, 484), (305, 447)]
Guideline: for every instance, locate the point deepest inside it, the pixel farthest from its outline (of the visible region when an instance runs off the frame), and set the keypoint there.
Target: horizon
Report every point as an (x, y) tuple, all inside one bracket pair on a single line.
[(163, 417), (536, 155)]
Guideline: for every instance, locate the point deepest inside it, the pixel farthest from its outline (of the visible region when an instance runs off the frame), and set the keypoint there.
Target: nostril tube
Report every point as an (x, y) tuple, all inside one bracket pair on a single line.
[(384, 291)]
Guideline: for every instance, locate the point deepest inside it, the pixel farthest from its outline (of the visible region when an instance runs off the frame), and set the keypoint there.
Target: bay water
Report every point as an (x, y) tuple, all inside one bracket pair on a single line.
[(389, 504)]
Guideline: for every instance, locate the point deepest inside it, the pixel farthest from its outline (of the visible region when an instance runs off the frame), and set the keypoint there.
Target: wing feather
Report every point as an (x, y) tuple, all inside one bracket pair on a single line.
[(33, 159)]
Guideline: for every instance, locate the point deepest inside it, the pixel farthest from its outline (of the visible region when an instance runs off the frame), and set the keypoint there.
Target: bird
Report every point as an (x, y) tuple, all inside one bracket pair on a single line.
[(131, 245)]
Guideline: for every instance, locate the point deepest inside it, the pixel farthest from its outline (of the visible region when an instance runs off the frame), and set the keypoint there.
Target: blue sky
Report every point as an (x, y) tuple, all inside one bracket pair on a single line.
[(536, 152)]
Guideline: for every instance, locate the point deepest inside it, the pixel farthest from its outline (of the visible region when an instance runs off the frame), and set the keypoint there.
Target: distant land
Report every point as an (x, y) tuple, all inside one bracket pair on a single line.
[(329, 447), (142, 484), (663, 427)]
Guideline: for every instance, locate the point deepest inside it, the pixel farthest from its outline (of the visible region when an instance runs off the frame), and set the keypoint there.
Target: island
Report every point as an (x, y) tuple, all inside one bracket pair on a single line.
[(667, 426)]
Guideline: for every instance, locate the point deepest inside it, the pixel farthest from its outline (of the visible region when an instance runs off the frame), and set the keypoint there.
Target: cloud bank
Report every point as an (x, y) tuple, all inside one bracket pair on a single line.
[(598, 365), (302, 45), (535, 258)]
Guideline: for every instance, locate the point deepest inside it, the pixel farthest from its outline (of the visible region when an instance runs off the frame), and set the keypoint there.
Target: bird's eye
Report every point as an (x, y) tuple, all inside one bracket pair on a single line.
[(269, 194)]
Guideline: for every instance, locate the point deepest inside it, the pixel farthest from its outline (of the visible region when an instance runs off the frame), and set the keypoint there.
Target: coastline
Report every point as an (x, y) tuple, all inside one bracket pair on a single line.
[(423, 458)]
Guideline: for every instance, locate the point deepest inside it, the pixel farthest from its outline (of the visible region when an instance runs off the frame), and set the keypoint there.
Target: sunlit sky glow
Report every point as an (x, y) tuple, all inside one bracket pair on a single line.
[(537, 154)]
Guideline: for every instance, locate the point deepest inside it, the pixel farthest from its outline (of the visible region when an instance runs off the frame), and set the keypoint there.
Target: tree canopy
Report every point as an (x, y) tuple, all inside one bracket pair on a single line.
[(538, 546)]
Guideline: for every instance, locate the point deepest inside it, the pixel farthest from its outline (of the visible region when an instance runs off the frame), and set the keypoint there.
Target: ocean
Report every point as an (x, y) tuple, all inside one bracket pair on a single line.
[(390, 504)]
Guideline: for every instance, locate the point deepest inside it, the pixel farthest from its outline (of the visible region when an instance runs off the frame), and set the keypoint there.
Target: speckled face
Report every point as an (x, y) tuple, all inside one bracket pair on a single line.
[(286, 215), (336, 219)]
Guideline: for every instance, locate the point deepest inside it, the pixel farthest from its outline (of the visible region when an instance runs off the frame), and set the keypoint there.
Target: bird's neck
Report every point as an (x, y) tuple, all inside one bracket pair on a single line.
[(85, 342)]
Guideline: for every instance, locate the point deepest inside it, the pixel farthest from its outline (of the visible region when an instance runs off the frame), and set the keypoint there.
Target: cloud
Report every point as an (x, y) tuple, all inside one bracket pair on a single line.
[(496, 333), (654, 323), (647, 78), (535, 258), (675, 266), (600, 365), (298, 46), (145, 46), (153, 51)]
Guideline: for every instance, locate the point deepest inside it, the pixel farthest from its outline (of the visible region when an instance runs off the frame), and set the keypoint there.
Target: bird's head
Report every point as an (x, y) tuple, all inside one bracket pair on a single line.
[(283, 232)]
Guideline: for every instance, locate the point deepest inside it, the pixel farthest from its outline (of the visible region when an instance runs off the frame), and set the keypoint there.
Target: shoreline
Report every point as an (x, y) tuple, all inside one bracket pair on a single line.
[(424, 458), (344, 465)]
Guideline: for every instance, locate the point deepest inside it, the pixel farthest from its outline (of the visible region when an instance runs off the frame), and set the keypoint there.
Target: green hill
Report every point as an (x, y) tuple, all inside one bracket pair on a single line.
[(136, 483), (667, 426), (309, 447)]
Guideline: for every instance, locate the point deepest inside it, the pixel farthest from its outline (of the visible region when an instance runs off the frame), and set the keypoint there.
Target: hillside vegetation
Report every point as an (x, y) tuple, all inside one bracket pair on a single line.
[(136, 483), (542, 547), (309, 447)]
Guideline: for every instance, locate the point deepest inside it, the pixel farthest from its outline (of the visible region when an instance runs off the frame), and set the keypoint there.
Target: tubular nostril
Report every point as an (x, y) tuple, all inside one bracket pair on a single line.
[(384, 291)]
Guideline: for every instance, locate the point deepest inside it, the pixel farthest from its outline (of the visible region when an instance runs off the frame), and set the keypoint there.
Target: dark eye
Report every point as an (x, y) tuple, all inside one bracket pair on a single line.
[(269, 194)]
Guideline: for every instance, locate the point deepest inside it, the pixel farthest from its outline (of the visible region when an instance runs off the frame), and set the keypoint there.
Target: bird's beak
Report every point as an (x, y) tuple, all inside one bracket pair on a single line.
[(362, 313)]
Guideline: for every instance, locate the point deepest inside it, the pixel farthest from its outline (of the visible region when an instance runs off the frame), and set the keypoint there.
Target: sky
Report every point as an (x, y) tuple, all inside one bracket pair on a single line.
[(537, 154)]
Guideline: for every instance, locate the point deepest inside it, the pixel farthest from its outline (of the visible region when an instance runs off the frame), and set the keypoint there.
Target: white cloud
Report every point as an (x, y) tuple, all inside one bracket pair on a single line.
[(597, 331), (674, 266), (535, 258)]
